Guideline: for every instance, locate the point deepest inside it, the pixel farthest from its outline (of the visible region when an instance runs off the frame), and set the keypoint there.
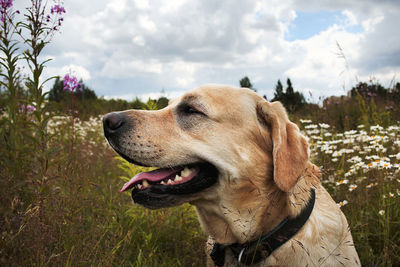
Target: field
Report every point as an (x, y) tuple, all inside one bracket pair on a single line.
[(60, 203), (76, 216)]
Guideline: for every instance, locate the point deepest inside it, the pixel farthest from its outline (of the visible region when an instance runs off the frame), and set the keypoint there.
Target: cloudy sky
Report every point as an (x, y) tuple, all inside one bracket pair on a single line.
[(129, 48)]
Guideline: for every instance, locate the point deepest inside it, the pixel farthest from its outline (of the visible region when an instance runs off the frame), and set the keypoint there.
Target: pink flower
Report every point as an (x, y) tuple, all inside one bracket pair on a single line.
[(4, 5), (57, 9), (28, 108), (71, 83)]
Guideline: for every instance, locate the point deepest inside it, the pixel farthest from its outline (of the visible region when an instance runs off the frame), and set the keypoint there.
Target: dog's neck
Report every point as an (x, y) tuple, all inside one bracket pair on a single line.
[(258, 211)]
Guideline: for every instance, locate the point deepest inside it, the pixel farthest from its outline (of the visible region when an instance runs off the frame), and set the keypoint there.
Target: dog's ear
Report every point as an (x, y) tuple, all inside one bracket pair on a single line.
[(290, 147)]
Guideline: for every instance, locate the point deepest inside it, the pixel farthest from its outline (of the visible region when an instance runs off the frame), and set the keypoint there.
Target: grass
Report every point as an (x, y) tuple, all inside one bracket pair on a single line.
[(59, 181), (361, 170), (79, 218)]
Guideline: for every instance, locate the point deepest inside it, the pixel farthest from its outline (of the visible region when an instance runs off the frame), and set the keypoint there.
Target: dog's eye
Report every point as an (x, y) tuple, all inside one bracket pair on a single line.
[(190, 110)]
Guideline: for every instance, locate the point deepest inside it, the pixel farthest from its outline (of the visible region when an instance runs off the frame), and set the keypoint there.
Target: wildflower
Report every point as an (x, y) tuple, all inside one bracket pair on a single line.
[(28, 108), (371, 185), (71, 83), (324, 125), (57, 9), (342, 203), (376, 128), (345, 181), (311, 126), (375, 157), (4, 5), (385, 165), (354, 159), (348, 173), (381, 212), (311, 132), (398, 156), (352, 187)]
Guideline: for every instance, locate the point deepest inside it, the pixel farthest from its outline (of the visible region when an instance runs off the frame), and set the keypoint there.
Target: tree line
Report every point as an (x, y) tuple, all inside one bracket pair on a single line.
[(366, 97)]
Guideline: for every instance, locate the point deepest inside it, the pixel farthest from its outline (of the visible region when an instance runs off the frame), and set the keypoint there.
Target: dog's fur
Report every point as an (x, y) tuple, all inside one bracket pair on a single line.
[(264, 173)]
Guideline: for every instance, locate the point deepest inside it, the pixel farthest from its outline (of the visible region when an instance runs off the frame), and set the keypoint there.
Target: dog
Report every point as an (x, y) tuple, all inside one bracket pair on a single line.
[(245, 167)]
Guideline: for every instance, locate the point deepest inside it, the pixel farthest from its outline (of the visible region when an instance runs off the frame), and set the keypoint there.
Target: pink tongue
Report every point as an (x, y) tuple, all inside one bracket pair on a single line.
[(154, 176)]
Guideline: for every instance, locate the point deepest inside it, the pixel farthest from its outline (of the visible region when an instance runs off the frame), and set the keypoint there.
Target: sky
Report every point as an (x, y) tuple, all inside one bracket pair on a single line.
[(144, 48)]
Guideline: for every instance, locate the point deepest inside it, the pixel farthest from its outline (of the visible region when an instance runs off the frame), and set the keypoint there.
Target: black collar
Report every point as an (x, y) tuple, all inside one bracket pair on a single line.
[(255, 251)]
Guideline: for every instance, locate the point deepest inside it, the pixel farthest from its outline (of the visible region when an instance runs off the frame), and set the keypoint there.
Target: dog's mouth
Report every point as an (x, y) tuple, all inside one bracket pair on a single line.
[(166, 187), (164, 176)]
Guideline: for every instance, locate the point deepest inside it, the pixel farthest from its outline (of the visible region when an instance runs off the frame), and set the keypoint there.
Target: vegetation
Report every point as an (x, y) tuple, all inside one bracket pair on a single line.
[(60, 181), (292, 100), (245, 83), (87, 103)]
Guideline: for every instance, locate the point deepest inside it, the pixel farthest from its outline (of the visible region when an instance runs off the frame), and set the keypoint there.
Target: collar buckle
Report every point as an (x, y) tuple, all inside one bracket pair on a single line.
[(241, 254), (251, 254)]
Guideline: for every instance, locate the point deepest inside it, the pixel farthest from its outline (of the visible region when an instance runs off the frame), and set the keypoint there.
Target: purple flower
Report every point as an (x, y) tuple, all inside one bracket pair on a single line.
[(4, 5), (28, 108), (71, 83), (57, 9)]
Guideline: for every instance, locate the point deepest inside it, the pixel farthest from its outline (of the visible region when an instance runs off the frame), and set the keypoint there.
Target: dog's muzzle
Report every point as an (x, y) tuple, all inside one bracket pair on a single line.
[(113, 122)]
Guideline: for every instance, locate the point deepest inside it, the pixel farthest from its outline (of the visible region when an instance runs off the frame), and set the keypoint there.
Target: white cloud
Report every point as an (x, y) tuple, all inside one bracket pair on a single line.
[(177, 45), (78, 71), (147, 24), (369, 24), (322, 67), (351, 18)]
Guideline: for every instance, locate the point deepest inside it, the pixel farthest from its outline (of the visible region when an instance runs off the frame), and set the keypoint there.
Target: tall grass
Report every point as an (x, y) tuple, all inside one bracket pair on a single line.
[(361, 170), (84, 220), (59, 180)]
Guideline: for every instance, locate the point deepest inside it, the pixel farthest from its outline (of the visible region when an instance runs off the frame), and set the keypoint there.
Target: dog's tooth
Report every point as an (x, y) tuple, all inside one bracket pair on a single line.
[(186, 172), (178, 178), (145, 183), (169, 181), (139, 186), (163, 183)]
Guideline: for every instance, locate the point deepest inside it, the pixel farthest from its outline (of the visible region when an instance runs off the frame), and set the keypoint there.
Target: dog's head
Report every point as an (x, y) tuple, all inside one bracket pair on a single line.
[(208, 141)]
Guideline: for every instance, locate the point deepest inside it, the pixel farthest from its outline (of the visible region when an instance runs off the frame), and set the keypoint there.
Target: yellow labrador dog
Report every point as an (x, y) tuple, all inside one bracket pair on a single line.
[(245, 167)]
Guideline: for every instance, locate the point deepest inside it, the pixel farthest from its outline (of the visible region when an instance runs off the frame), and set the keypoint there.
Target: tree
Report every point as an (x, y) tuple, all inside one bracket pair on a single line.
[(278, 95), (289, 88), (57, 93), (245, 83), (162, 102), (291, 99)]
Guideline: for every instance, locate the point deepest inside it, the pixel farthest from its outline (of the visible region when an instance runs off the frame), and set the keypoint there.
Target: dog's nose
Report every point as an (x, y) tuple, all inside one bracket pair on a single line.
[(112, 121)]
